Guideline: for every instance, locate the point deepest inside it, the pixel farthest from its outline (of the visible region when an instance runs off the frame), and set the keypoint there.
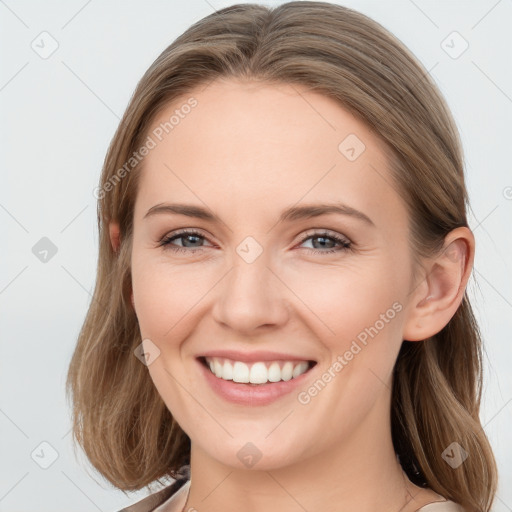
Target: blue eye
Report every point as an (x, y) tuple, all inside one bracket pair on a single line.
[(343, 243), (194, 237), (166, 242)]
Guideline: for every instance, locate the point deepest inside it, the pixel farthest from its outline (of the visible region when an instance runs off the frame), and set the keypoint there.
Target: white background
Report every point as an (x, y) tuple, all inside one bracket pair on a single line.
[(58, 116)]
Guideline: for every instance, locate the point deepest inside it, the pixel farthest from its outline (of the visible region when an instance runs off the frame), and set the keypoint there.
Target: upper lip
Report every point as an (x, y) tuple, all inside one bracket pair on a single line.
[(250, 357)]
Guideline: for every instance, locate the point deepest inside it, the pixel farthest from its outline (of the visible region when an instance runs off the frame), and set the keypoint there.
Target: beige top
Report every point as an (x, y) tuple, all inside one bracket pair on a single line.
[(177, 501)]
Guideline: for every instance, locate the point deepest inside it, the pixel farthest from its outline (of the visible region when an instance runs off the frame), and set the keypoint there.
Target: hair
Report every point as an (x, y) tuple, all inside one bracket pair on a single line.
[(119, 419)]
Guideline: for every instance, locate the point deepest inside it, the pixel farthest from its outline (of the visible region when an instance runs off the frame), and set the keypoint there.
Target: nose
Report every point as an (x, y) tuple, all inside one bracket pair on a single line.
[(251, 297)]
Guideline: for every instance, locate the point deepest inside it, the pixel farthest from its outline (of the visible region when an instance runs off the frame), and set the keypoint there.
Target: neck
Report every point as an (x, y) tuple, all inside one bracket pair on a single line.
[(360, 473)]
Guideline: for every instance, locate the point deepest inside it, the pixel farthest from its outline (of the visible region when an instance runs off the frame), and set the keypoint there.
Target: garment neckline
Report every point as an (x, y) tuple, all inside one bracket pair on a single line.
[(177, 501)]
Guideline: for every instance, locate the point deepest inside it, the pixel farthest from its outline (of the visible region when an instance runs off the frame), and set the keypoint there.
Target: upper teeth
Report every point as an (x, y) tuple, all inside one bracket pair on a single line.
[(256, 373)]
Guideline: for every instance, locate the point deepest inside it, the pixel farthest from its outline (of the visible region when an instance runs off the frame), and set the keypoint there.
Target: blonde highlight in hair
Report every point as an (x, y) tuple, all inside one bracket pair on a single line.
[(119, 419)]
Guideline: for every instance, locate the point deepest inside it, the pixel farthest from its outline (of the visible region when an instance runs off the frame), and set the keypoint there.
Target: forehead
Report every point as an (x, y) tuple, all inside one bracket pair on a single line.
[(264, 145)]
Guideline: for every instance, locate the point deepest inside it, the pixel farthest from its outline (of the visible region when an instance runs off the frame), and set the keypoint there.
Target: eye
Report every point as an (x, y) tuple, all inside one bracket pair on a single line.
[(191, 238), (188, 236), (343, 243)]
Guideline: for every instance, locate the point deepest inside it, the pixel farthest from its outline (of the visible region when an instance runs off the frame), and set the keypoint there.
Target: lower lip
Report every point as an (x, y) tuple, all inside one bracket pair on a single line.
[(251, 394)]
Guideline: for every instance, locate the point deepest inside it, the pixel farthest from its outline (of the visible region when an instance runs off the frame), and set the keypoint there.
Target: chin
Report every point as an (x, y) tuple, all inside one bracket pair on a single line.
[(254, 455)]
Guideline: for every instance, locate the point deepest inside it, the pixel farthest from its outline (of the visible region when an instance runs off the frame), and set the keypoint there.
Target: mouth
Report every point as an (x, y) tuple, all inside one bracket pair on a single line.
[(256, 373)]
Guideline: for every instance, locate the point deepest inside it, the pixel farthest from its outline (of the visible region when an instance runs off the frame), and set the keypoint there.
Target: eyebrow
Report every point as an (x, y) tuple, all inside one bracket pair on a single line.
[(290, 214)]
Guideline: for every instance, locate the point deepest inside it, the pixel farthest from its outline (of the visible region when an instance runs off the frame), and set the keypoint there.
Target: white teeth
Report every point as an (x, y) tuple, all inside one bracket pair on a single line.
[(286, 371), (300, 369), (217, 368), (240, 372), (227, 371), (258, 373), (255, 373), (274, 372)]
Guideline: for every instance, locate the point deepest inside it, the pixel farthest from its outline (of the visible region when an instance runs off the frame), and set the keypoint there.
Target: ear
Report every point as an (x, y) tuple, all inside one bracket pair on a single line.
[(436, 299), (114, 231)]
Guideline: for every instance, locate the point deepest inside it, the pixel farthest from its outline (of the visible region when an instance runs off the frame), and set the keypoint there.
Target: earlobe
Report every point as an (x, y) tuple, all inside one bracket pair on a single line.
[(437, 299), (114, 233)]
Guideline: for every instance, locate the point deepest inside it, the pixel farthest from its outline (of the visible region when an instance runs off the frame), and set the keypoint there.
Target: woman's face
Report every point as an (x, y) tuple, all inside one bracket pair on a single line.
[(250, 281)]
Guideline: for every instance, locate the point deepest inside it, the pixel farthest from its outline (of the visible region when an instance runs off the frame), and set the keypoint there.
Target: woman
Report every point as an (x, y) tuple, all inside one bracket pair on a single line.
[(280, 314)]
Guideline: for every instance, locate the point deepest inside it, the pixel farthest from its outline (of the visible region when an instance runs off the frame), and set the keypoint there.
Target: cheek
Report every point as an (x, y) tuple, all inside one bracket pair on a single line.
[(345, 300), (166, 295), (154, 291)]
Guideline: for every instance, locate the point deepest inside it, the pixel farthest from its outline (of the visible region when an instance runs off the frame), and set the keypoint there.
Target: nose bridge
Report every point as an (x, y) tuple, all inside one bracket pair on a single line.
[(250, 295)]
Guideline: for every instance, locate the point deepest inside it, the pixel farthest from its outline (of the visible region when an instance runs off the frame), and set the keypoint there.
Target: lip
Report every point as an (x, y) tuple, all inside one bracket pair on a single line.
[(251, 394), (251, 357)]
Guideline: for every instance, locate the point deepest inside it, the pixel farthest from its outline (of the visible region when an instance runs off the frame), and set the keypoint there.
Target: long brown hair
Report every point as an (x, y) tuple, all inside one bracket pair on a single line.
[(119, 418)]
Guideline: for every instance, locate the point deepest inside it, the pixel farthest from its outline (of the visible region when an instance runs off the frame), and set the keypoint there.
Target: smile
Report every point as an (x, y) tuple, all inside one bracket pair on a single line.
[(258, 372), (254, 383)]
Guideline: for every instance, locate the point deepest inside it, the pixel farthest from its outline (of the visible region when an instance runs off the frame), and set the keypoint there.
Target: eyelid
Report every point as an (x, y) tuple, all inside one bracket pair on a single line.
[(301, 237), (343, 241), (323, 231), (185, 231)]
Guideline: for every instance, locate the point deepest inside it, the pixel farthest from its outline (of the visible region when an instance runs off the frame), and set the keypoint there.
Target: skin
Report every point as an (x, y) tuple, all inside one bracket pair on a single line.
[(277, 146)]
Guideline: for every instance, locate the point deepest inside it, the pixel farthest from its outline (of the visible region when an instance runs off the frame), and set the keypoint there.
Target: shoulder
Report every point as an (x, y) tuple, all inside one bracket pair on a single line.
[(149, 503), (442, 506)]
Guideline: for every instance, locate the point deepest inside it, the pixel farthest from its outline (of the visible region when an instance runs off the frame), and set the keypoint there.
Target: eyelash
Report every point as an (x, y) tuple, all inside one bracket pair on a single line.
[(166, 242)]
